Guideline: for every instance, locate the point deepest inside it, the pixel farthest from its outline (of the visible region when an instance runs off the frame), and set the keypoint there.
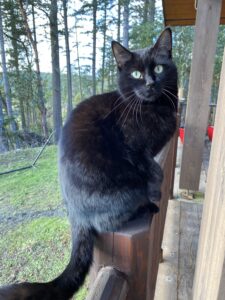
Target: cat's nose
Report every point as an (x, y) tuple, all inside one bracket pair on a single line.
[(150, 82)]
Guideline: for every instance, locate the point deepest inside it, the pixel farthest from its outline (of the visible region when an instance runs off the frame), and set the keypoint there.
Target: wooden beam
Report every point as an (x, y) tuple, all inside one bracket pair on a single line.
[(211, 251), (127, 252), (207, 25), (182, 13), (110, 284), (135, 249), (157, 227)]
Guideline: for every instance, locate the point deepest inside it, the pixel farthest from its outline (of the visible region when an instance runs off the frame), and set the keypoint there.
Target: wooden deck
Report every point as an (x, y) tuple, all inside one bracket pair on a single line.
[(176, 272), (180, 241)]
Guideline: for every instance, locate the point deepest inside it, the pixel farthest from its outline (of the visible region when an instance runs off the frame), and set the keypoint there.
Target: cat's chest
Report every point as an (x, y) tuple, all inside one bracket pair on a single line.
[(143, 126), (150, 130)]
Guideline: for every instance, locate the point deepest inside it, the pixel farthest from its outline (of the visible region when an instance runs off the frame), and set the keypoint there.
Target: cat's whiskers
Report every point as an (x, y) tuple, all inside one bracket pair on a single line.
[(170, 92), (126, 107), (136, 112), (128, 94), (131, 105), (170, 100), (140, 109), (114, 108), (117, 105)]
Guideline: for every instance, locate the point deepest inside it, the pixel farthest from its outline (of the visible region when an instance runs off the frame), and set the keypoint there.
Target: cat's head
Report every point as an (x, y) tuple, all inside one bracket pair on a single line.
[(148, 74)]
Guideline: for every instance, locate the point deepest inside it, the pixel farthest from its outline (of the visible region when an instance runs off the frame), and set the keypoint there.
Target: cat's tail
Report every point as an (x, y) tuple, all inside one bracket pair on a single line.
[(66, 284), (80, 261)]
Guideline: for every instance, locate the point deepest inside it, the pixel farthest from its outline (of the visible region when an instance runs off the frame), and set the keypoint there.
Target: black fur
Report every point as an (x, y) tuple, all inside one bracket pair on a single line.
[(107, 169)]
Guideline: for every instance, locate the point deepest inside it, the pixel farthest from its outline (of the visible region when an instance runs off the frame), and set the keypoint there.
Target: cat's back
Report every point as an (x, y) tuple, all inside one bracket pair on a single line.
[(81, 130)]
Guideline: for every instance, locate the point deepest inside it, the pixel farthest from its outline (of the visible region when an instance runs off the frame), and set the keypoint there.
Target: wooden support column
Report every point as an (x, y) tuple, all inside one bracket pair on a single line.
[(206, 31), (208, 283), (135, 249)]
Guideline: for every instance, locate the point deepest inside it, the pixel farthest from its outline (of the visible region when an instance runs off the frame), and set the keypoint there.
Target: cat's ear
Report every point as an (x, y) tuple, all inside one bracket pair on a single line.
[(163, 45), (121, 54)]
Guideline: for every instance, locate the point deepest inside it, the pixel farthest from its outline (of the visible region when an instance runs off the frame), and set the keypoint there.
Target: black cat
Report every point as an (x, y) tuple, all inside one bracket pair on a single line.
[(106, 158)]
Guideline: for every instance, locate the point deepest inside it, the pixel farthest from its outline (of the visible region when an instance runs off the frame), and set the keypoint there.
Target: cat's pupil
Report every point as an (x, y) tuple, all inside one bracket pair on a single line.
[(137, 74), (158, 69)]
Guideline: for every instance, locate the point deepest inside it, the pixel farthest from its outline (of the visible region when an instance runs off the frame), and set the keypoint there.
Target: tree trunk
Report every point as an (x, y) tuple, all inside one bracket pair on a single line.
[(6, 81), (104, 45), (56, 82), (119, 21), (151, 10), (78, 60), (16, 63), (94, 4), (33, 41), (3, 143), (126, 23), (68, 65)]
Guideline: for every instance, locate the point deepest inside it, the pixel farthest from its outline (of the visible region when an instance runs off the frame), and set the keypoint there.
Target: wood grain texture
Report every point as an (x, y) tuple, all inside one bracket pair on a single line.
[(207, 24), (166, 286), (180, 244), (157, 227), (211, 252), (181, 13), (135, 249), (174, 158), (188, 244), (109, 284), (127, 252)]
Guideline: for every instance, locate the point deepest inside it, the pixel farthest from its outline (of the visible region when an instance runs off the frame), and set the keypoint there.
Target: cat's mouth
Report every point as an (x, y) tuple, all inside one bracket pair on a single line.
[(149, 96)]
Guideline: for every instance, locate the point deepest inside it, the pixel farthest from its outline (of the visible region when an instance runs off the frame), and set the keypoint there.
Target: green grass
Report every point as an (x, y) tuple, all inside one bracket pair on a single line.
[(36, 250), (32, 189), (33, 249)]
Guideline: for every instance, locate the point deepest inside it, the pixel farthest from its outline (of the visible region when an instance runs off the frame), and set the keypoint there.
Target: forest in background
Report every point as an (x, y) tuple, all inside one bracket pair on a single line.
[(34, 103)]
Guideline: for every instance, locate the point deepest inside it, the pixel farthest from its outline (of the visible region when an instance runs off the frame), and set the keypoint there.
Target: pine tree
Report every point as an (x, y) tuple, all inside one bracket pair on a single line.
[(33, 40), (6, 81), (68, 64), (56, 82)]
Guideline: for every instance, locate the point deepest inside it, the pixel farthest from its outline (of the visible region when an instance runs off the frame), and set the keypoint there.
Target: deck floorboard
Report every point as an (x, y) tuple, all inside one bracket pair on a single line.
[(180, 242)]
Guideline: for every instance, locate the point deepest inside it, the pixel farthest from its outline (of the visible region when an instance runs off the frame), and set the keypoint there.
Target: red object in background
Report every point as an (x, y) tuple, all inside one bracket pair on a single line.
[(181, 133), (210, 132)]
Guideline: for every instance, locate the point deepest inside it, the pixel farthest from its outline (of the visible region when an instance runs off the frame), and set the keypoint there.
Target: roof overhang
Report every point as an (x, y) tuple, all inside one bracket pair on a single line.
[(183, 12)]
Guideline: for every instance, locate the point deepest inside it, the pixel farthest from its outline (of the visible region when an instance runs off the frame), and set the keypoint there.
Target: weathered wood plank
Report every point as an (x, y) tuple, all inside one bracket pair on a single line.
[(211, 252), (127, 253), (103, 251), (221, 295), (109, 285), (174, 158), (189, 235), (207, 24), (157, 228), (166, 286)]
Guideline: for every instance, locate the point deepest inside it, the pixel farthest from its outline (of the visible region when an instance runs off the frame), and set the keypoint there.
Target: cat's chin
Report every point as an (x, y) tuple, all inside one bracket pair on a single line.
[(145, 99)]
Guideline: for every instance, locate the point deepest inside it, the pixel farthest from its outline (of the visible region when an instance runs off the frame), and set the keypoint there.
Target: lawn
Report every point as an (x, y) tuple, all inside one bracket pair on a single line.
[(35, 233)]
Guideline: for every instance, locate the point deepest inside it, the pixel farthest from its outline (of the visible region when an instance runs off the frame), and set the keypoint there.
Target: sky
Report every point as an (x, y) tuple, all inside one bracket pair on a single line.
[(43, 38), (44, 46), (83, 39)]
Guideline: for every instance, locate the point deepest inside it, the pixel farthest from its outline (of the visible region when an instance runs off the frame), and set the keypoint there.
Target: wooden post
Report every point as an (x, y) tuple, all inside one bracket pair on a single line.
[(211, 251), (127, 251), (135, 250), (157, 227), (207, 24), (174, 157)]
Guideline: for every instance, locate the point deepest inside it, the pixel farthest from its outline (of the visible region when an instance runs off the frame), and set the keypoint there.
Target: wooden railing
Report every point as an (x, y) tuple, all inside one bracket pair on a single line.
[(126, 262)]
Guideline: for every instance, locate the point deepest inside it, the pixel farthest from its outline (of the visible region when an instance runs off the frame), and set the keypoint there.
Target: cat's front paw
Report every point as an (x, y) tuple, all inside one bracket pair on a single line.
[(153, 208), (154, 195)]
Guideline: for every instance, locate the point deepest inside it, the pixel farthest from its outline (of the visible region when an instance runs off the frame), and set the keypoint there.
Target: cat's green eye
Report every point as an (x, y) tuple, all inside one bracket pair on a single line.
[(158, 69), (137, 75)]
